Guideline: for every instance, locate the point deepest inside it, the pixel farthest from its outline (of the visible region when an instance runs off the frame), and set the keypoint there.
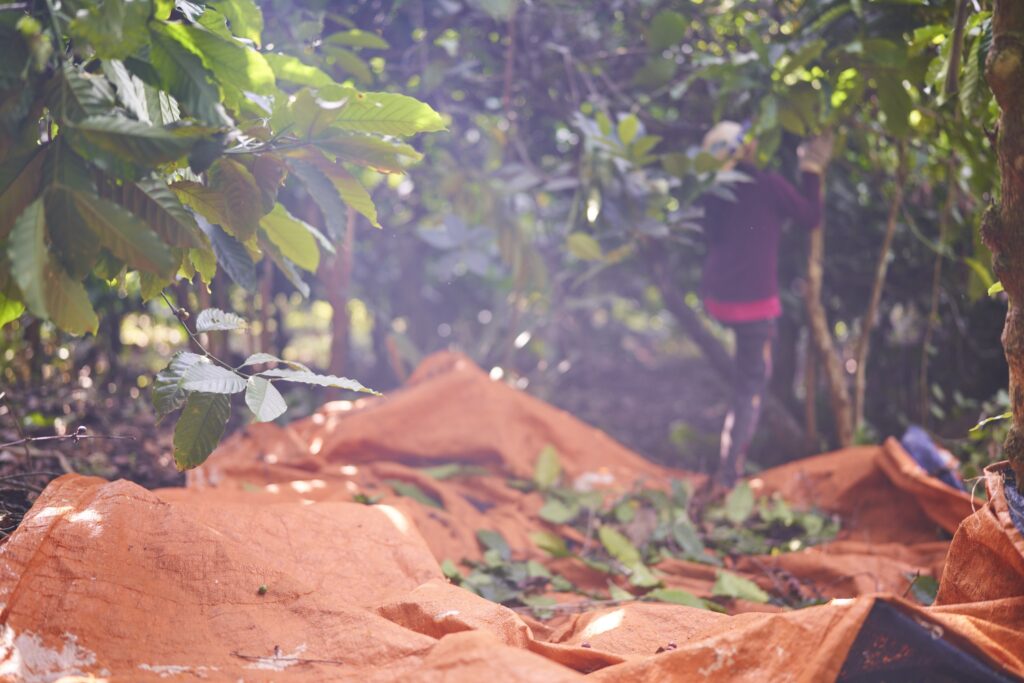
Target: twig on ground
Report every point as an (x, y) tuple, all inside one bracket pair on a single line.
[(277, 658)]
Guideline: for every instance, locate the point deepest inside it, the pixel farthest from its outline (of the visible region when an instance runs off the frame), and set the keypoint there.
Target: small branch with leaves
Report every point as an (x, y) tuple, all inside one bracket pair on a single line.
[(201, 386)]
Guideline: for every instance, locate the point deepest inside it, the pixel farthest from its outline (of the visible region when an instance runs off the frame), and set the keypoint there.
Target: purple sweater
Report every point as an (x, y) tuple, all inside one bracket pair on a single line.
[(743, 236)]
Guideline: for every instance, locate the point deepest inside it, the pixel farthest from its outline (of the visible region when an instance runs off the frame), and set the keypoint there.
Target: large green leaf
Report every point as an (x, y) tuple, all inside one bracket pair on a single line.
[(20, 177), (115, 29), (232, 256), (264, 400), (387, 114), (245, 17), (213, 379), (72, 242), (168, 392), (29, 257), (204, 201), (233, 64), (348, 186), (199, 428), (124, 234), (323, 192), (381, 155), (73, 94), (293, 237), (182, 73), (67, 302), (284, 264), (131, 91), (242, 200), (107, 140), (154, 202), (293, 70)]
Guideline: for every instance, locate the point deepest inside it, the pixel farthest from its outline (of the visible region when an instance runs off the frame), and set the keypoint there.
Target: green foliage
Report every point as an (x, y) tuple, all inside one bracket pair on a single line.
[(161, 131), (202, 386)]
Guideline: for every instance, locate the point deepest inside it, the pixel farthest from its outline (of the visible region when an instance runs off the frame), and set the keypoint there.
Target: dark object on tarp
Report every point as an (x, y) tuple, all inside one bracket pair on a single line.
[(894, 646), (937, 462)]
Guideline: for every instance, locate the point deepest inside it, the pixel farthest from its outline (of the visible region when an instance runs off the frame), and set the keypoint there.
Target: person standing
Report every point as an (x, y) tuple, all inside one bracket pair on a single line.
[(740, 280)]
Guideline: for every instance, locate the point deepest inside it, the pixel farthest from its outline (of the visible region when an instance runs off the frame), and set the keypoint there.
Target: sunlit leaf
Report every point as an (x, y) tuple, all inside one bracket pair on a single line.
[(293, 237), (211, 319), (294, 70), (182, 73), (264, 400), (388, 114), (306, 377), (213, 379), (245, 17)]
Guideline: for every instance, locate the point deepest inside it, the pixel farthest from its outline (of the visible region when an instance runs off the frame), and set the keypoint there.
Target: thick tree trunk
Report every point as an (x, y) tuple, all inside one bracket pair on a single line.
[(868, 322), (821, 340), (1003, 227)]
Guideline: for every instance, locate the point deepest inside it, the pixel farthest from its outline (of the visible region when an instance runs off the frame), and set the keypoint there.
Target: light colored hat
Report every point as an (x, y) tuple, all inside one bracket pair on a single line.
[(724, 140)]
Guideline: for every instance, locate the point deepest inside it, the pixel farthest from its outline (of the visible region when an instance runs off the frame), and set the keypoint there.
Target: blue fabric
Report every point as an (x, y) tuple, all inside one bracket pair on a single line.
[(922, 449), (1015, 500)]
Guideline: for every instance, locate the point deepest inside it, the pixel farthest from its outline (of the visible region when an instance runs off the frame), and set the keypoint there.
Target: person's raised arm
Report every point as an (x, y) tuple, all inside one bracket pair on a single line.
[(804, 205)]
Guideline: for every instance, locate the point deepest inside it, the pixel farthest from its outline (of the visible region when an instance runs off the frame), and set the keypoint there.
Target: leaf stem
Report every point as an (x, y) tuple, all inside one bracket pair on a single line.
[(180, 314)]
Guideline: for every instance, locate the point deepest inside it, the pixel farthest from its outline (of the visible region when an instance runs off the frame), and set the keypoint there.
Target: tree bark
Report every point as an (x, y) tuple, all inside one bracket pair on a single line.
[(881, 267), (338, 277), (821, 339), (1003, 225)]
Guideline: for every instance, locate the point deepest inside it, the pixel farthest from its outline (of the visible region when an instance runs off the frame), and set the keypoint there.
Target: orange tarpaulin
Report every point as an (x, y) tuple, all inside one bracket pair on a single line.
[(263, 569)]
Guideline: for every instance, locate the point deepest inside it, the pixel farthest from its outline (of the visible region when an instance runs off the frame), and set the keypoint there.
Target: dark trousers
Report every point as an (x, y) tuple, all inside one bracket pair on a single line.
[(752, 370)]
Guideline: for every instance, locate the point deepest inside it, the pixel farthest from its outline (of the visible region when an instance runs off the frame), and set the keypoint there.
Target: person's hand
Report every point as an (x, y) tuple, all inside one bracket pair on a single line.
[(815, 153)]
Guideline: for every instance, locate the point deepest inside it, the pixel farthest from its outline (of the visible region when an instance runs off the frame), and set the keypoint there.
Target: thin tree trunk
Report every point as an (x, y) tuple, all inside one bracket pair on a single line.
[(338, 277), (923, 388), (811, 398), (821, 338), (1003, 226), (868, 322), (266, 304)]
